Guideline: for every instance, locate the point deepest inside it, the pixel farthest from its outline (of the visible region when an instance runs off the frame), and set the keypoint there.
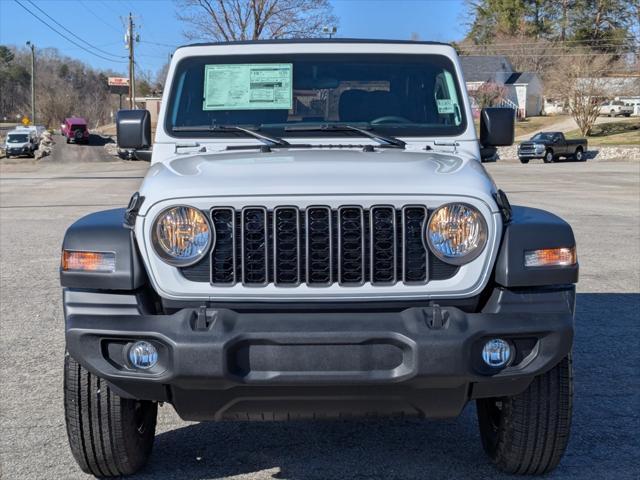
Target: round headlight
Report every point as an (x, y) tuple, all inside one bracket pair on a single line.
[(456, 233), (182, 236)]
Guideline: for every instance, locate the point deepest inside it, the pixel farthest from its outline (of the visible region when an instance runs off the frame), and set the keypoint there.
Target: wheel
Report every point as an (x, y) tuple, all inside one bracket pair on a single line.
[(612, 113), (627, 114), (548, 156), (109, 435), (524, 160), (68, 141), (579, 155), (528, 433)]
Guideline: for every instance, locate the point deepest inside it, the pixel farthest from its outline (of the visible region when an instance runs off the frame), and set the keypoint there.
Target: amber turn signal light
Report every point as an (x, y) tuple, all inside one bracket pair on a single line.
[(551, 257), (78, 261)]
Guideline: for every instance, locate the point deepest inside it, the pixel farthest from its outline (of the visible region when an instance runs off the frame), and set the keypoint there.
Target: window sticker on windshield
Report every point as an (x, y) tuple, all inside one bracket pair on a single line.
[(260, 86), (445, 105)]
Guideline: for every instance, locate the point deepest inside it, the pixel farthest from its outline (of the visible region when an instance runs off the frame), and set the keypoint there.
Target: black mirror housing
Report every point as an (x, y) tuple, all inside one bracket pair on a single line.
[(497, 127), (133, 128)]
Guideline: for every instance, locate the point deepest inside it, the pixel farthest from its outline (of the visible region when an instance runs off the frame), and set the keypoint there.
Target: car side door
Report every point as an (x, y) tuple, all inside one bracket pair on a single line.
[(559, 144)]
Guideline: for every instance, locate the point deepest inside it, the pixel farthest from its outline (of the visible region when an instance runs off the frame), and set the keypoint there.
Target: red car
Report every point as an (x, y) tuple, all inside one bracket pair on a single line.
[(75, 130)]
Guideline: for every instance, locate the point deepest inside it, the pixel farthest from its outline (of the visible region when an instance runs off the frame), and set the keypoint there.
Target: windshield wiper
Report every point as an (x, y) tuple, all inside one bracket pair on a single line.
[(266, 139), (382, 139)]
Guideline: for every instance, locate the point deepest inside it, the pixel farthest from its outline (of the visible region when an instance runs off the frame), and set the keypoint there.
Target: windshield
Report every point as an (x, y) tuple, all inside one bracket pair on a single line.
[(397, 94), (543, 137), (19, 138)]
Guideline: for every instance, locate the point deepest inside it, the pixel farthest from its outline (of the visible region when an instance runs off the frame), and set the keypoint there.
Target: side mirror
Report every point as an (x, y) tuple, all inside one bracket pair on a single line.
[(133, 128), (497, 126)]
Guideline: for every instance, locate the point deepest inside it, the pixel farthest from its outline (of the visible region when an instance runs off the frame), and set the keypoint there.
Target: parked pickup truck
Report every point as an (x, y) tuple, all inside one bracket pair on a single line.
[(317, 238), (550, 146)]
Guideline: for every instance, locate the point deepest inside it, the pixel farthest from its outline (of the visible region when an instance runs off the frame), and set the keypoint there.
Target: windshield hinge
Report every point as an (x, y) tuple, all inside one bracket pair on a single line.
[(190, 145), (453, 145)]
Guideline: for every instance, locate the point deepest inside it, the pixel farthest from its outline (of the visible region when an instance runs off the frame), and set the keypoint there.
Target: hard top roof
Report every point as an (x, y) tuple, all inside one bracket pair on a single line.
[(313, 40), (75, 120)]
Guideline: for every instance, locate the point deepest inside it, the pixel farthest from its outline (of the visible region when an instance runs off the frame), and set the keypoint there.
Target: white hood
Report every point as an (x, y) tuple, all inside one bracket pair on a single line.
[(316, 172)]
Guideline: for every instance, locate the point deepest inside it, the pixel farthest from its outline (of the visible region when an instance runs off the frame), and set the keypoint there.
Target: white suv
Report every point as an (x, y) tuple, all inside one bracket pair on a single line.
[(317, 237)]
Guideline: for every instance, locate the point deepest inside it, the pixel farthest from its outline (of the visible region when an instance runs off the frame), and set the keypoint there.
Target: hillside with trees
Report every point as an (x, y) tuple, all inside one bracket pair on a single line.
[(64, 87)]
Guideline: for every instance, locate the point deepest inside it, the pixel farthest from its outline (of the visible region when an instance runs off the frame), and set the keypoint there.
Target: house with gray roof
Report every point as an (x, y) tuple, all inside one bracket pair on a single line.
[(524, 89)]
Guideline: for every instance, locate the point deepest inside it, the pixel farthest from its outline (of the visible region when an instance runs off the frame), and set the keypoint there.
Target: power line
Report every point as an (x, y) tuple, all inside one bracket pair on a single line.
[(82, 47), (585, 41), (69, 31), (159, 44), (108, 24), (555, 54), (541, 48)]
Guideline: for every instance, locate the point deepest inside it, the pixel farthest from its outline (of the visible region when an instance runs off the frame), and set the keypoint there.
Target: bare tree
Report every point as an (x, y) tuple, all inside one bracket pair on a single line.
[(228, 20), (582, 86), (64, 87), (488, 94), (526, 54)]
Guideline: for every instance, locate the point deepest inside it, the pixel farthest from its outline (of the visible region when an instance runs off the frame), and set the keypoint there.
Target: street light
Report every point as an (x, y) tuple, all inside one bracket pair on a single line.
[(329, 30), (33, 81)]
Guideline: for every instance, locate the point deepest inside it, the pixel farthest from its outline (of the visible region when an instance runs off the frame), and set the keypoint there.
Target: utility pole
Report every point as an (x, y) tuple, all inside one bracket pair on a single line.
[(33, 82), (131, 39)]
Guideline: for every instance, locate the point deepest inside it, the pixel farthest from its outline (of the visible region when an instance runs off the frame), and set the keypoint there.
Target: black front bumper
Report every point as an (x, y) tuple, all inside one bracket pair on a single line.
[(220, 363)]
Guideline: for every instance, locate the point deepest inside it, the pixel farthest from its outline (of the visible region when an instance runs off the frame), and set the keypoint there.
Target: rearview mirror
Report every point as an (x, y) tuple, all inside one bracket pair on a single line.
[(133, 128), (497, 127)]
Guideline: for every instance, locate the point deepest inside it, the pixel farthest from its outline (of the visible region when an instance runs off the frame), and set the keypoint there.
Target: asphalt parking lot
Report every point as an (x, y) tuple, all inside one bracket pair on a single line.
[(39, 200)]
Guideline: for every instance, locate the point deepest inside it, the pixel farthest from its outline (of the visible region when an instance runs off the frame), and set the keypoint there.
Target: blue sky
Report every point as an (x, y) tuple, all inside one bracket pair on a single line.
[(101, 23)]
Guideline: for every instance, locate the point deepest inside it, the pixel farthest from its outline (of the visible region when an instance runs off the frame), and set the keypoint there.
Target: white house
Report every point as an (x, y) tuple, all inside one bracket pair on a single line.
[(524, 89)]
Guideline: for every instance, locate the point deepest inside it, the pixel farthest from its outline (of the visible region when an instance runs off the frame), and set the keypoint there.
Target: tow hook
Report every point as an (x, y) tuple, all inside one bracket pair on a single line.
[(435, 317), (204, 318)]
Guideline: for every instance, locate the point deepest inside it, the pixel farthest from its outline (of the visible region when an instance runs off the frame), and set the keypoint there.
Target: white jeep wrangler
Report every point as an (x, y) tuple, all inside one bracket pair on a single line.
[(317, 237)]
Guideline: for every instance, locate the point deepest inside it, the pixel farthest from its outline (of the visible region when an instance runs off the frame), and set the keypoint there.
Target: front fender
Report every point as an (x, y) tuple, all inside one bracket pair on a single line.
[(532, 229)]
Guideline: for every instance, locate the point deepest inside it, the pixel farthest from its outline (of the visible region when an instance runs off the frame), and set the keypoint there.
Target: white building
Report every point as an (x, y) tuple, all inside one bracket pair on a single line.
[(524, 89)]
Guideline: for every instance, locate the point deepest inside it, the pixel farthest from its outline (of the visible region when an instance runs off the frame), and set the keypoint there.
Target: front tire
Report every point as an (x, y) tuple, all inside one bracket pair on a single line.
[(524, 160), (548, 156), (109, 436), (528, 433)]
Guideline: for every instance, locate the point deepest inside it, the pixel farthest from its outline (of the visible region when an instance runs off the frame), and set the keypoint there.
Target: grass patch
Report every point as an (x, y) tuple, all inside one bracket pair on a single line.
[(611, 133)]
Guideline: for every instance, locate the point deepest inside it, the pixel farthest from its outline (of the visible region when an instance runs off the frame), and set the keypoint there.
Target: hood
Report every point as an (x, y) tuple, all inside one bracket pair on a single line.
[(16, 145), (316, 172)]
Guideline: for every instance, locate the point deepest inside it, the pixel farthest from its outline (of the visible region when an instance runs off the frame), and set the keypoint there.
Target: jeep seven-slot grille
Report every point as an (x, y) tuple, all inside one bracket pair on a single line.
[(319, 246)]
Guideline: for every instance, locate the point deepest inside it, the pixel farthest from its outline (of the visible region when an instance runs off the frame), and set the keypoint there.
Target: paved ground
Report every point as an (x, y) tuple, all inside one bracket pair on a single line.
[(38, 202)]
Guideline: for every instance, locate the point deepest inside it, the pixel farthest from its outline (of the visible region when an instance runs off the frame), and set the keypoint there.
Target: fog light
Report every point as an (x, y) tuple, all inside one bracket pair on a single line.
[(143, 355), (496, 353)]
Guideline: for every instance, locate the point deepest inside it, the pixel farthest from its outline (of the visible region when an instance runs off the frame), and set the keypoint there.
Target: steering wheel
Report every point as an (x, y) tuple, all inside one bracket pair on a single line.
[(390, 119)]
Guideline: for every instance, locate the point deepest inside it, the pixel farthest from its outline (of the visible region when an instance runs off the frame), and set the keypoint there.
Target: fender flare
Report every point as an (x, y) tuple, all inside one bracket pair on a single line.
[(104, 231), (532, 229)]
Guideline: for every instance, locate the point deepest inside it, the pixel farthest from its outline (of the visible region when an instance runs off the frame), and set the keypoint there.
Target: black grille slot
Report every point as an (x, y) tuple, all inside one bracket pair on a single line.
[(318, 245), (223, 263), (255, 269), (383, 245), (351, 245), (286, 246), (415, 266)]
